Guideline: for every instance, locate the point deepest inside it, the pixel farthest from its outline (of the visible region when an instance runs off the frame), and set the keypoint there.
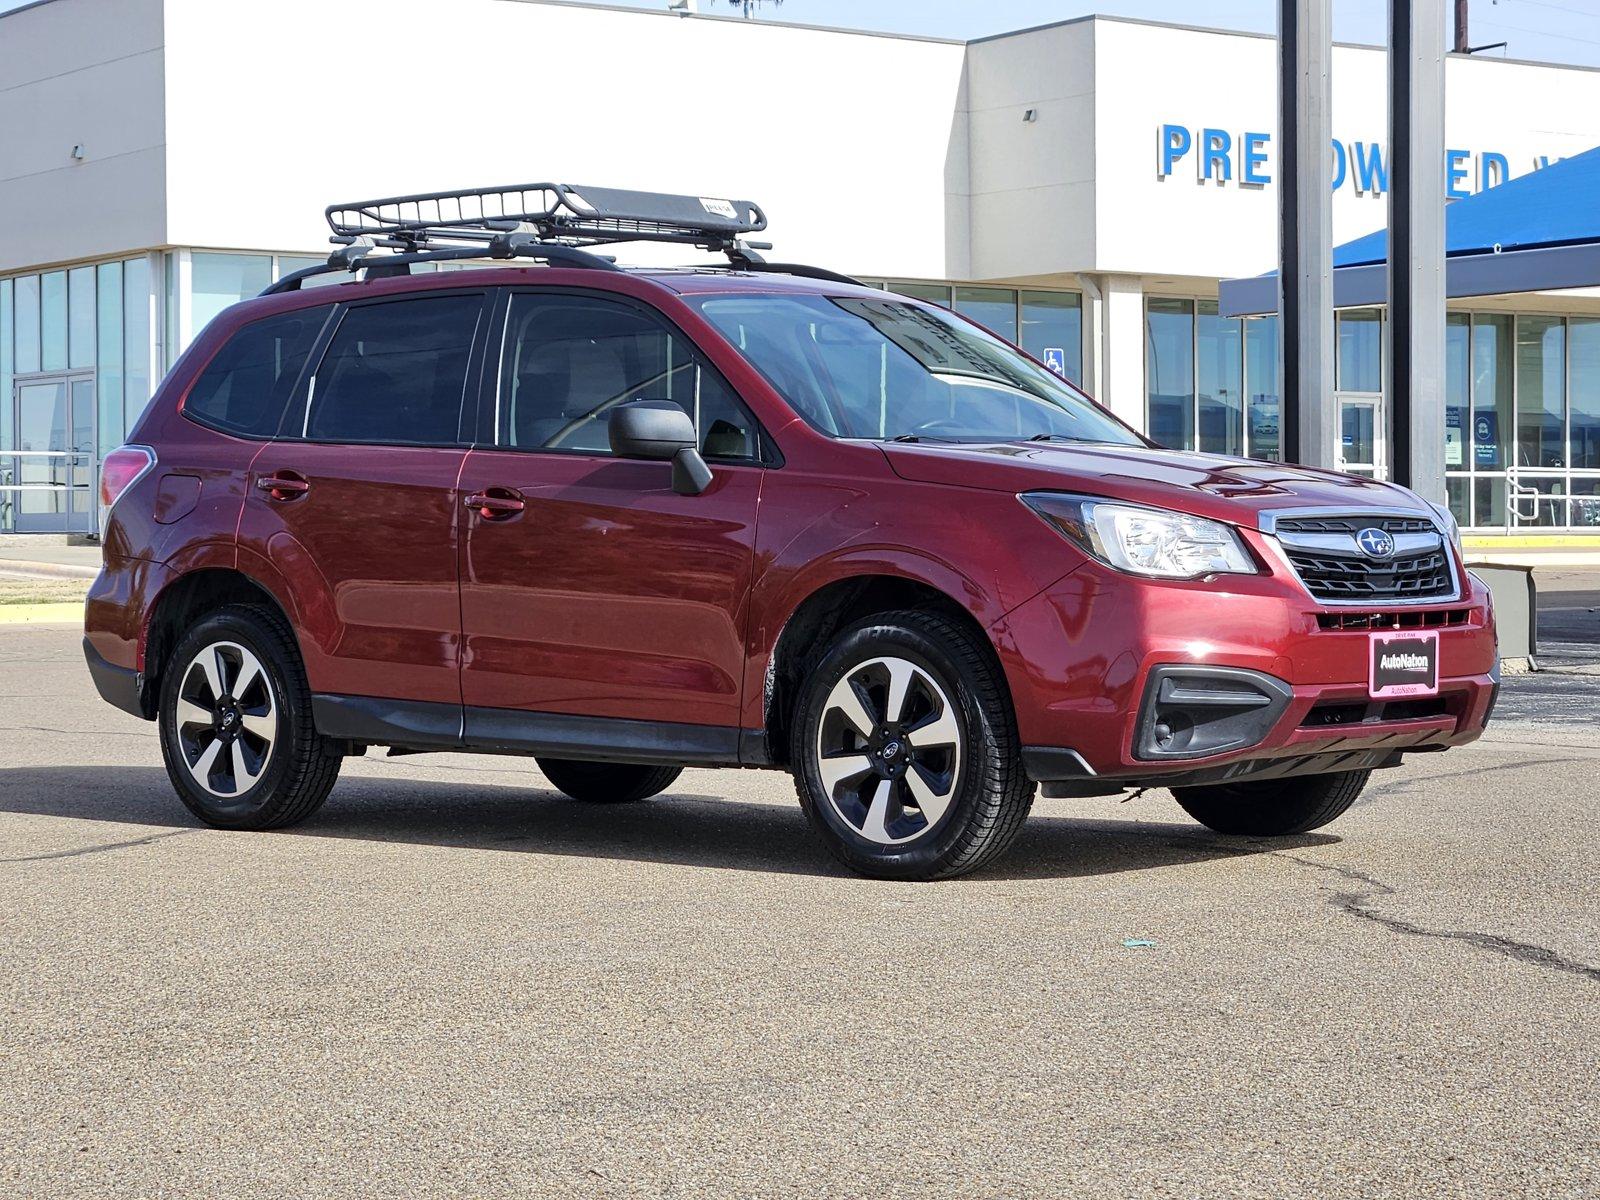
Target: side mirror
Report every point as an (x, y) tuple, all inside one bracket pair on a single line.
[(660, 431)]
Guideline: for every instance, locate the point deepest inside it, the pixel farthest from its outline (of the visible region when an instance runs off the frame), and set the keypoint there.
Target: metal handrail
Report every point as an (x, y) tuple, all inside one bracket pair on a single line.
[(73, 458)]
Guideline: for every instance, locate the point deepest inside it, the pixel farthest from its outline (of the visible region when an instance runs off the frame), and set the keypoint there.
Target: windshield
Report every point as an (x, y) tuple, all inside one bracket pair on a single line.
[(892, 368)]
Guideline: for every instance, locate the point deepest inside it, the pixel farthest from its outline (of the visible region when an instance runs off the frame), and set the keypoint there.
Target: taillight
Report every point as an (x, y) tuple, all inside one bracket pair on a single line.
[(121, 468)]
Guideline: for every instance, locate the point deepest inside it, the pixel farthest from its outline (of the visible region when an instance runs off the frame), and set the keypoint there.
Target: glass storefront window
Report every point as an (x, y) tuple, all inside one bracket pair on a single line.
[(217, 281), (1489, 500), (1169, 371), (1457, 392), (1219, 384), (1541, 354), (993, 308), (1360, 358), (1458, 489), (1052, 330), (27, 323), (1583, 394), (7, 325), (80, 317), (1261, 382), (53, 321), (934, 293), (136, 302), (108, 379), (1491, 393), (1585, 510)]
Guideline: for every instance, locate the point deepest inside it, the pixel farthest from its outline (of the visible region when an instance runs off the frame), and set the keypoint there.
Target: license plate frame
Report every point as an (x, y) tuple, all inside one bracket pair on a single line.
[(1403, 663)]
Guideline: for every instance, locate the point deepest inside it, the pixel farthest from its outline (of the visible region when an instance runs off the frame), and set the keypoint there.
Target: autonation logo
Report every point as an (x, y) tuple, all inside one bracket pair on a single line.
[(1403, 662)]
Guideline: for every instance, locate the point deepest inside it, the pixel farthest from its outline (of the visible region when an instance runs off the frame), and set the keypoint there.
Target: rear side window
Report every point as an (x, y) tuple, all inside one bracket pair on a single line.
[(570, 360), (395, 373), (246, 386)]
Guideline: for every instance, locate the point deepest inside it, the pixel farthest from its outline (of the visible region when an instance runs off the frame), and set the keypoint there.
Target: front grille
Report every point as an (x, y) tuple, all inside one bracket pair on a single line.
[(1355, 578), (1432, 618), (1355, 524)]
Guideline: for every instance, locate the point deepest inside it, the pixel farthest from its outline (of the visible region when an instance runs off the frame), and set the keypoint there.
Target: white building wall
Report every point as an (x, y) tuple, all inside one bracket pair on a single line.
[(89, 73), (853, 144)]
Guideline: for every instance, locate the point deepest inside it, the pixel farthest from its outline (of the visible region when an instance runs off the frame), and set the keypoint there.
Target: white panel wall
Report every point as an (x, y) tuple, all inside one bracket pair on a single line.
[(1032, 182), (1184, 225), (83, 72), (848, 141)]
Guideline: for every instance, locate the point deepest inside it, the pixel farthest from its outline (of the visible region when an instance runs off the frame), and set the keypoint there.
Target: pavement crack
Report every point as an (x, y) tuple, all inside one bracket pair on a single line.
[(1357, 904), (100, 849)]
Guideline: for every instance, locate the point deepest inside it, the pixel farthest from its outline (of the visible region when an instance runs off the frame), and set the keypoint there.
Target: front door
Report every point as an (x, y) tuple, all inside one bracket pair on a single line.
[(51, 473), (1361, 435), (589, 588)]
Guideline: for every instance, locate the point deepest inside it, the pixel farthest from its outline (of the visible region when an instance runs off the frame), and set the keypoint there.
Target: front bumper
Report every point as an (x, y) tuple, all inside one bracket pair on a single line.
[(1258, 680)]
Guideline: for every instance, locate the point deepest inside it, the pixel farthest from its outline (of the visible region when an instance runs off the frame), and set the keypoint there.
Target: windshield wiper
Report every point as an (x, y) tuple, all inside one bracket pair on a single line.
[(1054, 437)]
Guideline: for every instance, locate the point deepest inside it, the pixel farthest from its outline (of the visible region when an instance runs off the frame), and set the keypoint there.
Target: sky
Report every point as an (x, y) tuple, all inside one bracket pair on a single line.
[(1563, 31)]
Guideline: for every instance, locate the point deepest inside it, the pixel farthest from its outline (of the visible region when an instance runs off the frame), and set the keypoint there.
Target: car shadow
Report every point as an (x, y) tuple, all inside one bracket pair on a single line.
[(678, 828)]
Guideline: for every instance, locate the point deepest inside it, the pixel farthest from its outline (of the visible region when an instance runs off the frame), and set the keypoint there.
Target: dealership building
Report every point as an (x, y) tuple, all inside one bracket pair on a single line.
[(1080, 188)]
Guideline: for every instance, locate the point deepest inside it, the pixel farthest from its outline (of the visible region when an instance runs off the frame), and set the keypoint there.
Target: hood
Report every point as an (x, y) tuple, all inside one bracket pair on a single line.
[(1237, 490)]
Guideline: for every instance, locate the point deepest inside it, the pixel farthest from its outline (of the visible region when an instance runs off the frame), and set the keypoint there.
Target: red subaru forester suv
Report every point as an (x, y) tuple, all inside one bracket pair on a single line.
[(628, 521)]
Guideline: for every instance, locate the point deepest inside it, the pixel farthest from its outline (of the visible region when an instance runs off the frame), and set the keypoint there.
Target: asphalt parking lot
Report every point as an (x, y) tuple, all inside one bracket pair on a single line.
[(451, 981)]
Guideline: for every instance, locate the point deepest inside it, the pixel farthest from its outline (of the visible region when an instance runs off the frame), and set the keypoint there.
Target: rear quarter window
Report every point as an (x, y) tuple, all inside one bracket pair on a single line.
[(246, 387)]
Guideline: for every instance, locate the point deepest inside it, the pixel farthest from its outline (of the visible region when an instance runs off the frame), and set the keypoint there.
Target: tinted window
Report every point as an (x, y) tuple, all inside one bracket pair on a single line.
[(395, 373), (247, 384), (570, 360)]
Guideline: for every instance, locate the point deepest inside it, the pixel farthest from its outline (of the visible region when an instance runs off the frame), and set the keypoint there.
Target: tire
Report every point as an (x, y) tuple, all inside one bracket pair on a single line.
[(1273, 807), (919, 807), (271, 768), (607, 783)]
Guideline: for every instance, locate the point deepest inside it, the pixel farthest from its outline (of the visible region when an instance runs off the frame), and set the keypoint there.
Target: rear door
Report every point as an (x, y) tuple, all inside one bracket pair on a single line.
[(356, 502), (589, 587)]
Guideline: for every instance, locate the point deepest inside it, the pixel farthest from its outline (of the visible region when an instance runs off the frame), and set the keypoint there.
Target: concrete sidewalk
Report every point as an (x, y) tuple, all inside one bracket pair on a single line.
[(50, 559)]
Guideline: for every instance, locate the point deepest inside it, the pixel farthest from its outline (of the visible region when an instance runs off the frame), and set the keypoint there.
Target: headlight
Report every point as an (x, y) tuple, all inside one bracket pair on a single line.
[(1144, 541), (1452, 531)]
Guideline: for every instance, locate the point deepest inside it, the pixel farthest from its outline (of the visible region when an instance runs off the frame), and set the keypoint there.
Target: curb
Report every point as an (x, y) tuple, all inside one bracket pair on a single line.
[(42, 614), (22, 566)]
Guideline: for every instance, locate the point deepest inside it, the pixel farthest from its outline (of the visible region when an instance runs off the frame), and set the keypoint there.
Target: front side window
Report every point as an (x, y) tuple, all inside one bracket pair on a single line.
[(569, 361), (243, 389), (395, 373), (886, 369)]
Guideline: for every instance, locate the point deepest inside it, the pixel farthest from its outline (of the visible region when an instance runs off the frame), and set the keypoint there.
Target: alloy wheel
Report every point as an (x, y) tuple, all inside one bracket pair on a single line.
[(226, 719), (889, 750)]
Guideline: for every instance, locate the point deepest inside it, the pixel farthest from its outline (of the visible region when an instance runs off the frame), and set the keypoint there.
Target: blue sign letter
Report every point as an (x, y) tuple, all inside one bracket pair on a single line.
[(1501, 173), (1175, 143), (1338, 165), (1254, 156), (1455, 174), (1217, 142), (1371, 175)]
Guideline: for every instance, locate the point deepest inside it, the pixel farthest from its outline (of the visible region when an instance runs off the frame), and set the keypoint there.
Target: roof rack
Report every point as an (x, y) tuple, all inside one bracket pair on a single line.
[(550, 222)]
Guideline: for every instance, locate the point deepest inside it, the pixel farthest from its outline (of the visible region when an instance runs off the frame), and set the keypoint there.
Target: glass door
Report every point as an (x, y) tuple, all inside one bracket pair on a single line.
[(1361, 436), (51, 471)]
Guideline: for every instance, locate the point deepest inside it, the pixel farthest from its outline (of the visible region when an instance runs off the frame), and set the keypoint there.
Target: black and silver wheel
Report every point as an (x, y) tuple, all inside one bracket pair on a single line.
[(905, 750), (1273, 807), (235, 722), (606, 783)]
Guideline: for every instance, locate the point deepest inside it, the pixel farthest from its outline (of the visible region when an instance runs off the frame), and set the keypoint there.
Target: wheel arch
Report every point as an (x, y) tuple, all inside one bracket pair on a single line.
[(818, 618), (183, 602)]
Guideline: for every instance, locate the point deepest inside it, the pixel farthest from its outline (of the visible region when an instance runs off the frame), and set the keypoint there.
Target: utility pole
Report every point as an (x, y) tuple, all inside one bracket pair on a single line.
[(1305, 232), (1463, 39), (1415, 363)]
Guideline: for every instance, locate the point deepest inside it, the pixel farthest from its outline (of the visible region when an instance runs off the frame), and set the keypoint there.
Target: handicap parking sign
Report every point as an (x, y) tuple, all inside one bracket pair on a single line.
[(1056, 359)]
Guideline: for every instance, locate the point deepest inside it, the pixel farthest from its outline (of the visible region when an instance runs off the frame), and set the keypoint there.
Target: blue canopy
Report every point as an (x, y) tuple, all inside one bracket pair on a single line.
[(1538, 232), (1558, 205)]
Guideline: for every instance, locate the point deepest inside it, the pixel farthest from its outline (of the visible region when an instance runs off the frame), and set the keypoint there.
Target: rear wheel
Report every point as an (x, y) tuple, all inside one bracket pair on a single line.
[(905, 750), (1273, 807), (607, 783), (236, 727)]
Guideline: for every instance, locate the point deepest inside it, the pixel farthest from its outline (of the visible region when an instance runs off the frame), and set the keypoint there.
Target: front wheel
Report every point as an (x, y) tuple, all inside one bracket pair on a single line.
[(607, 783), (1273, 807), (905, 750)]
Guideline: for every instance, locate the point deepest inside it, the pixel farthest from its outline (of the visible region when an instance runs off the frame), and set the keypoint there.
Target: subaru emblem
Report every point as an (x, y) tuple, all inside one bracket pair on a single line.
[(1375, 542)]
